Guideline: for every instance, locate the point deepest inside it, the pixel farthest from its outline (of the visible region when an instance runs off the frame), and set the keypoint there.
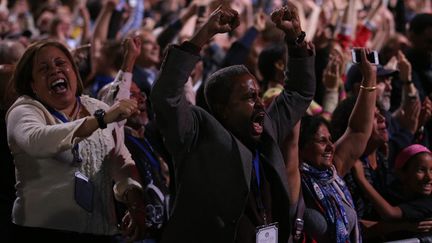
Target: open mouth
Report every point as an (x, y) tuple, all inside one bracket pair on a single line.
[(328, 156), (258, 123), (427, 186), (59, 86)]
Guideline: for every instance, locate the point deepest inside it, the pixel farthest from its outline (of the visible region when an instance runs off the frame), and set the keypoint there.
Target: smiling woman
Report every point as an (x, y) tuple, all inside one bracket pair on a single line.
[(406, 209), (324, 164), (65, 157), (40, 65), (55, 80)]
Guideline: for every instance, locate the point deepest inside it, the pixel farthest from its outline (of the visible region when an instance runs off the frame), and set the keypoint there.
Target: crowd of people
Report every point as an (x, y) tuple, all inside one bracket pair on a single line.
[(215, 120)]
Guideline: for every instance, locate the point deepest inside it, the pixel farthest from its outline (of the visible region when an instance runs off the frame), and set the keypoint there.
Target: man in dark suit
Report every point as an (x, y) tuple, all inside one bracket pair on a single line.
[(230, 174)]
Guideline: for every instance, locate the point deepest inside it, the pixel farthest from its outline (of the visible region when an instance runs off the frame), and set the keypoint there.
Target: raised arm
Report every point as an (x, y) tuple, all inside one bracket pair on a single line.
[(353, 142), (120, 87), (408, 113), (135, 19), (172, 30), (313, 18), (345, 26), (85, 15), (240, 49), (173, 111), (299, 90), (291, 157), (27, 126), (332, 80), (100, 30)]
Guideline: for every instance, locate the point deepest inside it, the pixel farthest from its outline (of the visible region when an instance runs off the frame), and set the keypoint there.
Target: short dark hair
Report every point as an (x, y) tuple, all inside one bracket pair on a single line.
[(340, 117), (267, 58), (309, 127), (22, 77), (420, 23), (355, 76), (218, 87)]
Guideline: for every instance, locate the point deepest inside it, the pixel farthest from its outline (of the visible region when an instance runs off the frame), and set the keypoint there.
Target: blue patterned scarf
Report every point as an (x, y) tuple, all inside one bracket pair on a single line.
[(329, 192)]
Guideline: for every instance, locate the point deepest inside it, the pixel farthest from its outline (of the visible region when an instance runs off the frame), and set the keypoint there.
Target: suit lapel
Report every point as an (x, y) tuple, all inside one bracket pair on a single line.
[(271, 155), (246, 160)]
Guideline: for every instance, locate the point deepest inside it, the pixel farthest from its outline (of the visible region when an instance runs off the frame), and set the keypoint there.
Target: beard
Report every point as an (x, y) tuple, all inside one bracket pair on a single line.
[(384, 101)]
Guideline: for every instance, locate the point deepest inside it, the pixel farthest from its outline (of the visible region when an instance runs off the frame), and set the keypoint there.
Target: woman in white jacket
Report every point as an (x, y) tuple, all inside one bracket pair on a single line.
[(66, 153)]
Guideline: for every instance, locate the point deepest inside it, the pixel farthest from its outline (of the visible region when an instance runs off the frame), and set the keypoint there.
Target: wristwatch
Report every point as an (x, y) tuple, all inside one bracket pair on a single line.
[(300, 38), (100, 114), (298, 41)]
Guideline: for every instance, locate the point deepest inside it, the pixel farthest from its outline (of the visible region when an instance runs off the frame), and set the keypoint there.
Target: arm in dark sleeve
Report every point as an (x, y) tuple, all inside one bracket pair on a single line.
[(400, 18), (239, 51), (416, 210), (173, 112), (299, 91), (168, 34)]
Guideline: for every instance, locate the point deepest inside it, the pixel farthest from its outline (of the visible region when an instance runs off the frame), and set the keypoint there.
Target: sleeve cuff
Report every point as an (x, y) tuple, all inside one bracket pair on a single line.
[(345, 29), (124, 185), (299, 51), (191, 48), (123, 76), (177, 24)]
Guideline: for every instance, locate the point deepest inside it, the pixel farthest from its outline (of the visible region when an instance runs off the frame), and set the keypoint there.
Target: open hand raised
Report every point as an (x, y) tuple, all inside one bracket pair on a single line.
[(132, 50)]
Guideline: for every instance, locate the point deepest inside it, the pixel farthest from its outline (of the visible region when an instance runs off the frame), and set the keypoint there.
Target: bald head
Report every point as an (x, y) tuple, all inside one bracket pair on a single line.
[(10, 52), (150, 52)]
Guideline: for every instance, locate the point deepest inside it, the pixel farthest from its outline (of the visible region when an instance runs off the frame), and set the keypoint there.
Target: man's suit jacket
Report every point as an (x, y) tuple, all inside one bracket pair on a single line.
[(213, 168)]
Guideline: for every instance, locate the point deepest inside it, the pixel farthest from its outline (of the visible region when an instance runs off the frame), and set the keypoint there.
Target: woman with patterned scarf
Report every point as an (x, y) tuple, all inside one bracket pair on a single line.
[(330, 215)]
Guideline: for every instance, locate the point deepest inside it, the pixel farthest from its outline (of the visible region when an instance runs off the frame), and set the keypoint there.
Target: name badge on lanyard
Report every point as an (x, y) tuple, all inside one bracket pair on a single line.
[(267, 233), (83, 192)]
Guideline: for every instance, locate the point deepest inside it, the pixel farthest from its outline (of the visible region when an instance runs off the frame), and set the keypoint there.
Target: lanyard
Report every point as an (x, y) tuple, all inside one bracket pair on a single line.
[(153, 161), (258, 196), (75, 150), (256, 168)]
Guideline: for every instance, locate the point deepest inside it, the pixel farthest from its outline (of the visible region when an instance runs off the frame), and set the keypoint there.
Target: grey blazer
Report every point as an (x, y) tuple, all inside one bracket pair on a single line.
[(213, 168)]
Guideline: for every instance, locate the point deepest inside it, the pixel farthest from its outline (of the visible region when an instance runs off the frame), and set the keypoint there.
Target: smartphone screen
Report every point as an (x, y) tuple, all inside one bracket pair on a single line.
[(372, 57)]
